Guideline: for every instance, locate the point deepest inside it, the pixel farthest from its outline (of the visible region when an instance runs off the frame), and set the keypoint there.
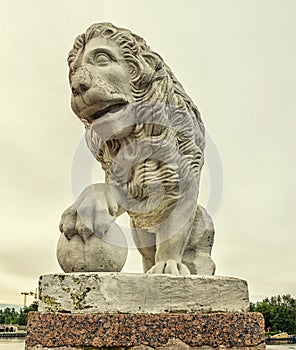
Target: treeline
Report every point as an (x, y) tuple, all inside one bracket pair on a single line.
[(279, 313), (12, 316)]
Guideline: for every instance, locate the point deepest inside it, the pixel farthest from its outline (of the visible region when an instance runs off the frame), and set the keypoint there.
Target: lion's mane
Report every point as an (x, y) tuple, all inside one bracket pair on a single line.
[(169, 119)]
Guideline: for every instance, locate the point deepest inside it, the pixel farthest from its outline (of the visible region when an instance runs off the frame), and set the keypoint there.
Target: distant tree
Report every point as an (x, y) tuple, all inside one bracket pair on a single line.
[(11, 316), (33, 306), (279, 313), (23, 315)]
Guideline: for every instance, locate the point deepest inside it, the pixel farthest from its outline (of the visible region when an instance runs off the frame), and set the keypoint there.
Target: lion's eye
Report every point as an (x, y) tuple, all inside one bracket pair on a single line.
[(102, 58)]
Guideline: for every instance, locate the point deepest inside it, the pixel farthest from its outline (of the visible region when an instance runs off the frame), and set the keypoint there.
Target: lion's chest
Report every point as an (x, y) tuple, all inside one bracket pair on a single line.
[(152, 175)]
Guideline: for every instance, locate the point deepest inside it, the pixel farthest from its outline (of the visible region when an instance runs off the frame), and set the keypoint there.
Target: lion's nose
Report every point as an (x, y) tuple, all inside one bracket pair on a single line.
[(78, 88), (80, 81)]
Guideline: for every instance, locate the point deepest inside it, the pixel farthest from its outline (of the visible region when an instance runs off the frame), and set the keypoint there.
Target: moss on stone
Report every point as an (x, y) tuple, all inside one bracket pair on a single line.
[(78, 298), (51, 303)]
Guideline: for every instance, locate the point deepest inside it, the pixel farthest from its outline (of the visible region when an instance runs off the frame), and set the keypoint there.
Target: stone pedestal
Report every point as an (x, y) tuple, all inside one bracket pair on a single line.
[(141, 312)]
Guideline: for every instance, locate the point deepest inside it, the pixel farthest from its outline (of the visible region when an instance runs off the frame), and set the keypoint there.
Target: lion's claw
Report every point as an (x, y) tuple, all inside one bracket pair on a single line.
[(90, 214), (169, 267)]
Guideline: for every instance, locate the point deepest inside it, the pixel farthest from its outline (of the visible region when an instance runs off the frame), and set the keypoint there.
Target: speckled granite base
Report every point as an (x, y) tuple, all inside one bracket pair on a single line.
[(62, 331)]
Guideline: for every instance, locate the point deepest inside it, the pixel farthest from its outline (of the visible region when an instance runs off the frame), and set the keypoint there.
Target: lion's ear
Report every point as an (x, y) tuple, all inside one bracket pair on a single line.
[(154, 60), (135, 69), (146, 69), (156, 64), (141, 73)]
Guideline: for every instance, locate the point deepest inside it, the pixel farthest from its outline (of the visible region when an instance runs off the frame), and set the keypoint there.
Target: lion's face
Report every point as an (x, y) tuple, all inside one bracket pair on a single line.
[(99, 79)]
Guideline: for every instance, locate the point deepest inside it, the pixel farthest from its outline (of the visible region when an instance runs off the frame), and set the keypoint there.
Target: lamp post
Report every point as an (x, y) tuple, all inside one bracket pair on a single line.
[(25, 297), (25, 294)]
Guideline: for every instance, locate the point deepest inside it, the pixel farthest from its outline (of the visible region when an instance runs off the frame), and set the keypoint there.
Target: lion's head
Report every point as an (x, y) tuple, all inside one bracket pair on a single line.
[(148, 77), (112, 69)]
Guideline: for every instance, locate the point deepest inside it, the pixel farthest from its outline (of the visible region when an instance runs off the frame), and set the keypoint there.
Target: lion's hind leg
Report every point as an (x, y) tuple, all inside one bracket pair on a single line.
[(197, 254)]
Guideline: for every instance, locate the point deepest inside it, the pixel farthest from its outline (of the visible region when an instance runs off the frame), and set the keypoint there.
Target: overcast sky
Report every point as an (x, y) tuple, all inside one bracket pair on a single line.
[(235, 58)]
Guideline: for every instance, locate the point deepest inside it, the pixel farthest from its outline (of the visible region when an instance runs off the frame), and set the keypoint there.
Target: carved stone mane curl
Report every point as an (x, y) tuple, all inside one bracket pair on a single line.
[(175, 122)]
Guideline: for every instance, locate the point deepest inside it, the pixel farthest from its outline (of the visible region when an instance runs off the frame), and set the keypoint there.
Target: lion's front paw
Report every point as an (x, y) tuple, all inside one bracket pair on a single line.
[(169, 267), (93, 213)]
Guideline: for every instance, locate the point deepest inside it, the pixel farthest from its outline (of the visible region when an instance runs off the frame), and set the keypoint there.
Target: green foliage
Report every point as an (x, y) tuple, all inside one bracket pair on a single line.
[(11, 316), (279, 313), (8, 316)]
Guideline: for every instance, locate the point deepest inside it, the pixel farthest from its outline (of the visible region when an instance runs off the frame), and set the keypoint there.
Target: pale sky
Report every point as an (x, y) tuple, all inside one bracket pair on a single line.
[(235, 58)]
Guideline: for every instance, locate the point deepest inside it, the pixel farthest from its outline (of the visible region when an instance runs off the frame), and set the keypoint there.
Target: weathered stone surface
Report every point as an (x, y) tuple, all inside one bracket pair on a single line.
[(162, 331), (149, 136), (141, 293), (93, 254)]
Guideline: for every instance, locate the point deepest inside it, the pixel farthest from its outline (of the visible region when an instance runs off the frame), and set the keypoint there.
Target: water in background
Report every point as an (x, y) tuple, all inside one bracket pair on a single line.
[(12, 344), (281, 347)]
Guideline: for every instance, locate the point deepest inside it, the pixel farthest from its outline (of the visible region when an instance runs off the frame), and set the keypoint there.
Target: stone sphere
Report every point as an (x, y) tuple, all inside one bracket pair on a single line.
[(96, 254)]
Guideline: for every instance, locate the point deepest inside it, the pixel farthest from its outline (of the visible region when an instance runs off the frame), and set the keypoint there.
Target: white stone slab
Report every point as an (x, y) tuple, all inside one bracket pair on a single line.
[(141, 293)]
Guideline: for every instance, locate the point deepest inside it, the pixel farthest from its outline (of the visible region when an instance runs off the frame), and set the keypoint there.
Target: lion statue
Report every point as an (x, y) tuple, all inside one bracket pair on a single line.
[(149, 137)]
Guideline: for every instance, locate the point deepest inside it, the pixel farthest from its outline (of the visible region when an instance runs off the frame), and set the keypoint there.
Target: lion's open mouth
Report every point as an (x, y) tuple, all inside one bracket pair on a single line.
[(96, 111), (98, 114)]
